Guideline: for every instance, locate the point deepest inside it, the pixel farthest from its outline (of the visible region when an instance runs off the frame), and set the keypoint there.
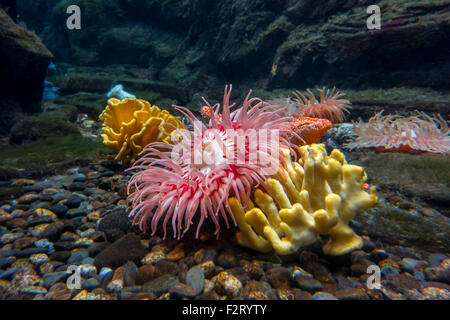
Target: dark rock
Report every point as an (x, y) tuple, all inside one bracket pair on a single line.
[(182, 290), (77, 186), (53, 231), (73, 201), (20, 223), (61, 255), (96, 248), (114, 220), (6, 262), (279, 278), (78, 256), (436, 259), (308, 284), (352, 294), (127, 248), (166, 267), (51, 278), (112, 235), (146, 273), (59, 209), (437, 274), (76, 212), (64, 245), (160, 285), (90, 284), (24, 64)]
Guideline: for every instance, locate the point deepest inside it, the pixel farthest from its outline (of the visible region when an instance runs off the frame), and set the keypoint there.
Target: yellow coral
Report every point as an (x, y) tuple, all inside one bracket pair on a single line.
[(318, 195), (130, 124)]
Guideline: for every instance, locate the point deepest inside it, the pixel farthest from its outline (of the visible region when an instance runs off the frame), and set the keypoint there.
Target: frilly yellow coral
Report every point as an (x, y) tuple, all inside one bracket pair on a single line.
[(318, 195), (130, 124)]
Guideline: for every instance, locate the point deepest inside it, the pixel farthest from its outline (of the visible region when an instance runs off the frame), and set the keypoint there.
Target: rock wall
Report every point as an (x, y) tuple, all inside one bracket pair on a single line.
[(23, 66), (259, 43)]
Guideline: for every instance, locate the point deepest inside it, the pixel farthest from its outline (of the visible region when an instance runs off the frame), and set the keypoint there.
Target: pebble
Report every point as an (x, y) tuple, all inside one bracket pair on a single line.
[(127, 248), (279, 278), (153, 257), (195, 279), (435, 259), (409, 264), (6, 262), (77, 256), (38, 258), (227, 284), (146, 273), (351, 294), (182, 290), (177, 253), (308, 284), (324, 296), (53, 231), (51, 278), (160, 285), (59, 291), (90, 284), (208, 268)]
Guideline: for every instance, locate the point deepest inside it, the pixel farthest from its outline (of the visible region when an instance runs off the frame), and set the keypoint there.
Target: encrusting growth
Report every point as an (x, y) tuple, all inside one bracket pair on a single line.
[(318, 195)]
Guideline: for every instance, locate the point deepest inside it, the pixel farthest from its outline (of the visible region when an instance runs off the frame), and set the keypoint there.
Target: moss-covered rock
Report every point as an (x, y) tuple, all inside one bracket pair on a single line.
[(41, 127), (53, 150)]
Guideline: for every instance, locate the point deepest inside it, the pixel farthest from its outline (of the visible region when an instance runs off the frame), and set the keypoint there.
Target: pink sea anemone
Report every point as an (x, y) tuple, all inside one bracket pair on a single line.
[(210, 163), (394, 132), (329, 106)]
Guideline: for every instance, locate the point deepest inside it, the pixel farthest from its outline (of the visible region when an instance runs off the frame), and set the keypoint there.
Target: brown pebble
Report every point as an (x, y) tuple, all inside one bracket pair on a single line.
[(177, 253), (23, 243), (20, 223), (146, 273), (351, 294)]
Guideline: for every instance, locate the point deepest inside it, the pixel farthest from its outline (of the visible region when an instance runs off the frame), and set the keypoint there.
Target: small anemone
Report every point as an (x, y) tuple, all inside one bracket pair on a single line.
[(419, 131), (329, 106)]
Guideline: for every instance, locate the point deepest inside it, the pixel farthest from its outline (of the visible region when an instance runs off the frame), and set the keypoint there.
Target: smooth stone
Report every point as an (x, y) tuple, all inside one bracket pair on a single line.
[(74, 213), (182, 290), (53, 231), (352, 294), (160, 285), (409, 264), (51, 278), (59, 209), (73, 201), (127, 248), (78, 256), (90, 284), (324, 296), (195, 279), (8, 273), (77, 186), (436, 259), (308, 284), (114, 220), (6, 262)]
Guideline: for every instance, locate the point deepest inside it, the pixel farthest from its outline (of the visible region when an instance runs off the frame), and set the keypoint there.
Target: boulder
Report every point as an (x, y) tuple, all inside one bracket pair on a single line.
[(23, 63)]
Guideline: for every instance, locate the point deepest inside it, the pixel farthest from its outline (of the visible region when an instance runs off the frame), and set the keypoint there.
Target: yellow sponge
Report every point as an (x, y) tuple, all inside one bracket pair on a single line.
[(317, 195), (130, 124)]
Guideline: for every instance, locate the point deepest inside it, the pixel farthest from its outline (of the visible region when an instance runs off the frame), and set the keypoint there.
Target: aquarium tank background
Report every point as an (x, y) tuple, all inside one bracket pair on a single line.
[(224, 150)]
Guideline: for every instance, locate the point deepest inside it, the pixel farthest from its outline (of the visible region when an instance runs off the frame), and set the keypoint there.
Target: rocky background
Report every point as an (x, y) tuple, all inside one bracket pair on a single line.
[(267, 44)]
